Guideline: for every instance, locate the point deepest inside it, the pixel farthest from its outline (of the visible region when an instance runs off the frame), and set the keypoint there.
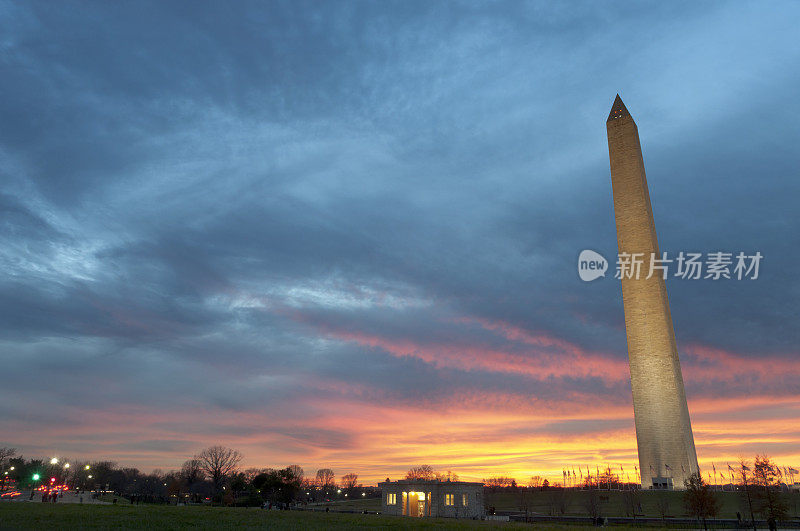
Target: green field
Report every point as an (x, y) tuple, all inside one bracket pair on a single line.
[(20, 515), (613, 503), (25, 515), (609, 503)]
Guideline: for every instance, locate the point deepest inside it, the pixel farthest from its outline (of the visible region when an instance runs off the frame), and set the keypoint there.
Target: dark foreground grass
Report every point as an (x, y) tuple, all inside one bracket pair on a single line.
[(613, 503), (23, 515)]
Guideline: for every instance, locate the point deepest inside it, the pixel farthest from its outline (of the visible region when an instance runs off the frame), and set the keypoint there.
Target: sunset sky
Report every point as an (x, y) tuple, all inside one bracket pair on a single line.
[(345, 234)]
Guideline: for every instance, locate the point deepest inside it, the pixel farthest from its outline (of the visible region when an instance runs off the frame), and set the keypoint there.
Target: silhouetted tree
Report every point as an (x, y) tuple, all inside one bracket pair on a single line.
[(297, 471), (192, 473), (769, 500), (699, 499), (278, 486), (592, 503), (662, 504), (218, 462), (743, 469), (421, 473), (325, 479), (349, 482), (6, 454)]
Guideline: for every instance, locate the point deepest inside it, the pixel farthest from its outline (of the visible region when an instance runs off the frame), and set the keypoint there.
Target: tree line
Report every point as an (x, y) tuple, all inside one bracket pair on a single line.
[(212, 475)]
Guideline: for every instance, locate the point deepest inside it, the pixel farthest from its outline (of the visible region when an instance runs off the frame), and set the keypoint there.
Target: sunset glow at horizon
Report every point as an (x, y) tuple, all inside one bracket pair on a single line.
[(344, 235)]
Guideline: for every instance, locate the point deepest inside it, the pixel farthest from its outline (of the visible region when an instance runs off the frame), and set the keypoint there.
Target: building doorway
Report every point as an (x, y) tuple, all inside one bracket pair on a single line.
[(414, 504)]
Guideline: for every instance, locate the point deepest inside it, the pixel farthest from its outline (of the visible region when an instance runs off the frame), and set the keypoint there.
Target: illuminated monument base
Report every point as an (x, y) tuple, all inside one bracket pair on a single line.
[(667, 454)]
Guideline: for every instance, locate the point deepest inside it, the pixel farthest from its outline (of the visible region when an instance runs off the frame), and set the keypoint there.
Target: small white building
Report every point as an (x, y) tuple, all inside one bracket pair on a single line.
[(417, 498)]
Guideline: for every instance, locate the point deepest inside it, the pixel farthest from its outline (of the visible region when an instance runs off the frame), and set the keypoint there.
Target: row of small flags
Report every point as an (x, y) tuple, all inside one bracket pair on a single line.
[(568, 474)]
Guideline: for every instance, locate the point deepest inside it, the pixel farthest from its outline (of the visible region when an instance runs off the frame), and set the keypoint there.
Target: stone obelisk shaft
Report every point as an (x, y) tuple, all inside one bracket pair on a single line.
[(663, 430)]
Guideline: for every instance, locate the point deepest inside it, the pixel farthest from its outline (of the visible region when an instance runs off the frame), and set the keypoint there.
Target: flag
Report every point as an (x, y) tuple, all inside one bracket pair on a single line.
[(793, 470), (745, 467), (668, 467), (715, 468)]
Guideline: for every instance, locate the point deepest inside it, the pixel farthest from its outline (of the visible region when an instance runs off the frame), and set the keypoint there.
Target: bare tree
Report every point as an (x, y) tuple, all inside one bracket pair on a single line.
[(421, 472), (500, 482), (592, 503), (632, 501), (325, 478), (297, 472), (252, 472), (535, 482), (349, 483), (192, 472), (446, 476), (662, 504), (743, 469), (6, 453), (218, 462)]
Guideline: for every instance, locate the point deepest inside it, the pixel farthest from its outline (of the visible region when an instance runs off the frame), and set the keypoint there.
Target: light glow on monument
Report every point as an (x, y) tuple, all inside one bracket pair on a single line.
[(664, 437)]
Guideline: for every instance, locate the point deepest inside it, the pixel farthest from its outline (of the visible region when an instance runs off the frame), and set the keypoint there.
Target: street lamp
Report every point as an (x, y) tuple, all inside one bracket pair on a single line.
[(54, 461), (86, 467)]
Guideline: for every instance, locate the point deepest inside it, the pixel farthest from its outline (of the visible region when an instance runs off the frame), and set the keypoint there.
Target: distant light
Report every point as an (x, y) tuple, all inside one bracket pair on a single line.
[(53, 461), (90, 476), (86, 467), (363, 493), (36, 477), (52, 480), (339, 491), (66, 465), (12, 468)]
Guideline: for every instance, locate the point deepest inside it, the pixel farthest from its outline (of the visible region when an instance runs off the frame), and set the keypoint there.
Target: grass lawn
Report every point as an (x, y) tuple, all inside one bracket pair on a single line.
[(613, 503), (23, 515)]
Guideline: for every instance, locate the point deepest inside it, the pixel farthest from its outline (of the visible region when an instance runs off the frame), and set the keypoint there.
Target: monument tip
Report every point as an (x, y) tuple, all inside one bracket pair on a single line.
[(618, 110)]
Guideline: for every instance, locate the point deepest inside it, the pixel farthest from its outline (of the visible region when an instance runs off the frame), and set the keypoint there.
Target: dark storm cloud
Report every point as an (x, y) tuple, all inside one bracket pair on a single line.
[(321, 201)]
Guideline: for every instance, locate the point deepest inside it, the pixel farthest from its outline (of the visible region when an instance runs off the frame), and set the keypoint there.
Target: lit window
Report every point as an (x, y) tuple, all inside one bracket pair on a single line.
[(391, 499), (449, 499), (464, 499)]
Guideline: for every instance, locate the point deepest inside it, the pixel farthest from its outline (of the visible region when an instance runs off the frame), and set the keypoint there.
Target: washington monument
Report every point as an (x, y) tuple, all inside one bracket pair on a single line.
[(663, 431)]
